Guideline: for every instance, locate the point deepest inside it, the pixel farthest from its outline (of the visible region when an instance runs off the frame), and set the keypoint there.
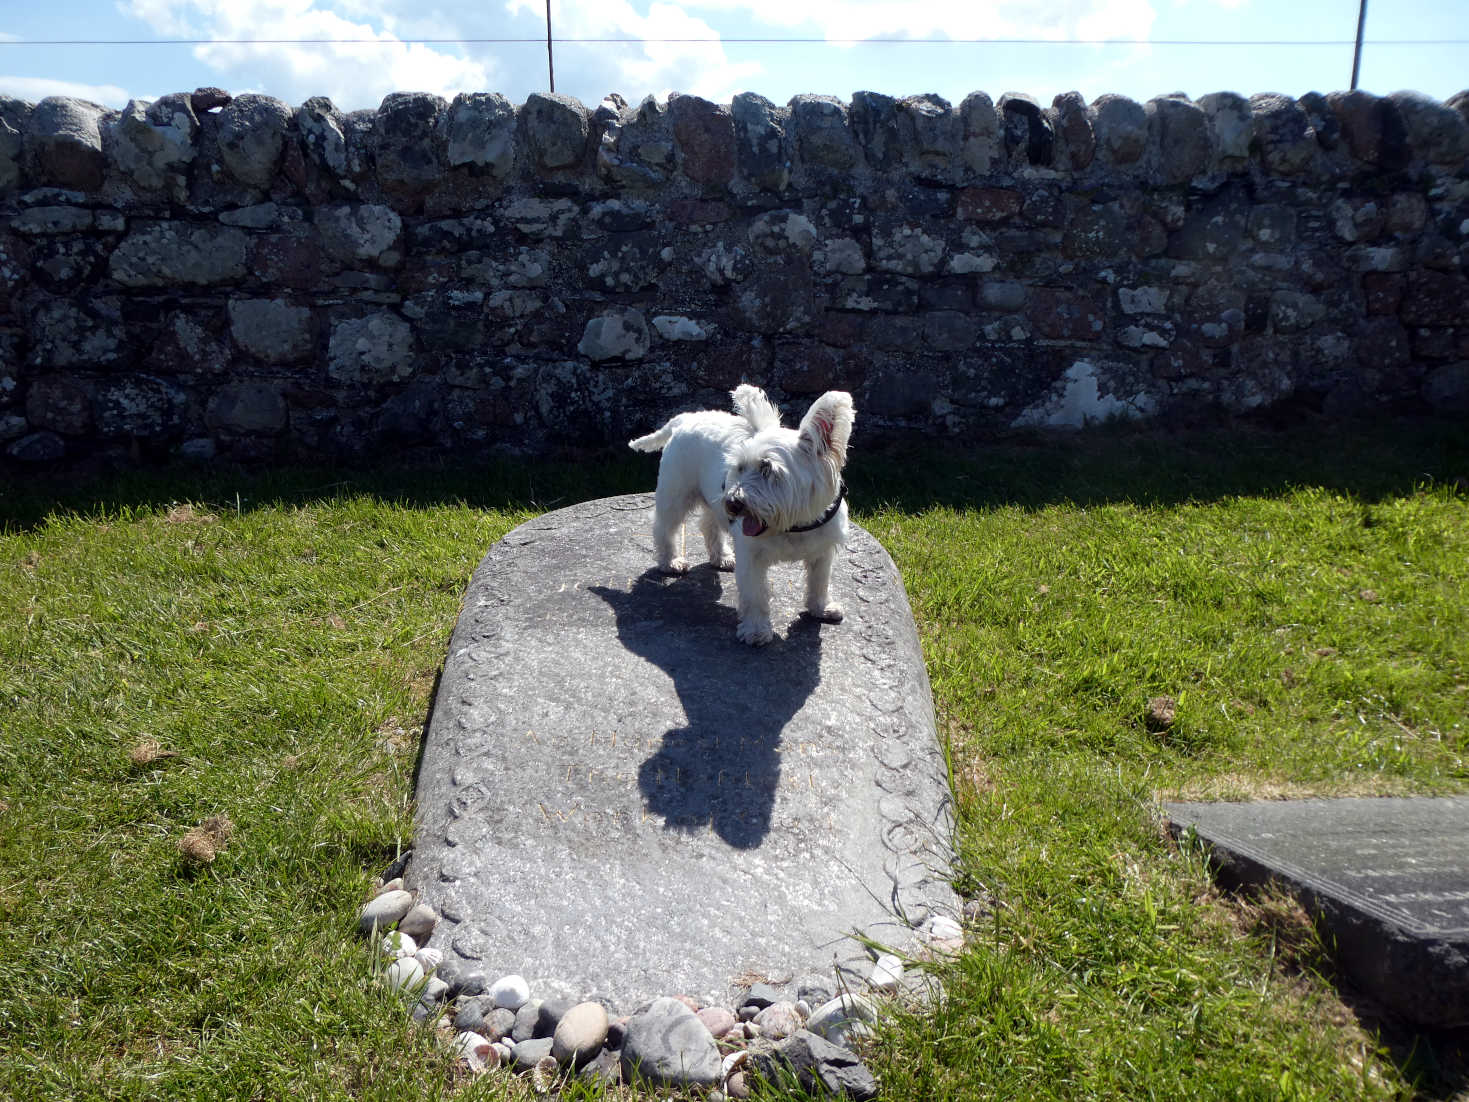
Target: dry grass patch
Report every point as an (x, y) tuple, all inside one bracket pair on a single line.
[(203, 843)]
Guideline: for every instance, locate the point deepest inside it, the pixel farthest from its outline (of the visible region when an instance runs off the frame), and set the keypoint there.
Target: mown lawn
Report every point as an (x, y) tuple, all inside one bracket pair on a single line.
[(179, 645)]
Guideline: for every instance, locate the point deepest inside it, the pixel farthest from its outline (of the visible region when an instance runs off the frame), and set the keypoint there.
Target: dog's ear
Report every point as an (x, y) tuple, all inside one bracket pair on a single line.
[(751, 403), (827, 426)]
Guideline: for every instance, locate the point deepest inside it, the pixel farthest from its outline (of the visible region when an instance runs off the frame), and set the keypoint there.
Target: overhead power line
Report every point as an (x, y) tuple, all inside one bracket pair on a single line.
[(1231, 42)]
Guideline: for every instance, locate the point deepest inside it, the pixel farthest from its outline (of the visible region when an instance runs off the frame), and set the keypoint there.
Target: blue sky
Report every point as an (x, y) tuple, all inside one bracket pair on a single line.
[(399, 57)]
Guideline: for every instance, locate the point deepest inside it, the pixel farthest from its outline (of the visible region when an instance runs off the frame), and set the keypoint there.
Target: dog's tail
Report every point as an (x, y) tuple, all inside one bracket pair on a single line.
[(655, 441)]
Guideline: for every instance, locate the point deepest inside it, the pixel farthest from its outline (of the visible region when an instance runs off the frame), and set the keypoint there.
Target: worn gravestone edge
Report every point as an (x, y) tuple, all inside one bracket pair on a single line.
[(1370, 942)]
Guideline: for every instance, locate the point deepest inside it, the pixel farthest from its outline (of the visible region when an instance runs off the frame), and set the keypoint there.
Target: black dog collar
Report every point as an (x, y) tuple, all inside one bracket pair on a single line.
[(831, 511)]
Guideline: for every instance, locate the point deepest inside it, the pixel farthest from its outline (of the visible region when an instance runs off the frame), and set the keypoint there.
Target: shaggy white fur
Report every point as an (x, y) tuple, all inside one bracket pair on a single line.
[(776, 493)]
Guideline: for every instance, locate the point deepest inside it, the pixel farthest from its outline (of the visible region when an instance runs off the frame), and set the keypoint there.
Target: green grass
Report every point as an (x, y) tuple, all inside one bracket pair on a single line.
[(1299, 595)]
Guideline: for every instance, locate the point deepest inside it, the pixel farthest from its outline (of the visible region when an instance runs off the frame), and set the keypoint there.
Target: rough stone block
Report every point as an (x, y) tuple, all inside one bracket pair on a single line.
[(1231, 127), (409, 145), (359, 232), (66, 335), (1065, 315), (907, 249), (1436, 132), (1287, 142), (479, 132), (273, 330), (63, 143), (322, 129), (1446, 388), (378, 348), (153, 144), (930, 134), (554, 128), (762, 152), (14, 120), (1436, 298), (616, 335), (37, 447), (138, 406), (250, 408), (819, 126), (703, 133), (60, 404), (1076, 138), (981, 133), (252, 136), (1027, 130), (1372, 127), (1183, 138), (873, 119), (988, 204), (165, 254), (1121, 127)]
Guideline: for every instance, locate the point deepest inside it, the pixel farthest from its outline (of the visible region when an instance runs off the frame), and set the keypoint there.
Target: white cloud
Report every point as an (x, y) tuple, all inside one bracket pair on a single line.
[(705, 68), (657, 64), (354, 75), (36, 89), (966, 19)]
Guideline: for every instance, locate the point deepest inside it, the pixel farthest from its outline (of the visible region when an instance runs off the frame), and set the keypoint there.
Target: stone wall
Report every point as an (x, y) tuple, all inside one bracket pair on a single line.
[(206, 275)]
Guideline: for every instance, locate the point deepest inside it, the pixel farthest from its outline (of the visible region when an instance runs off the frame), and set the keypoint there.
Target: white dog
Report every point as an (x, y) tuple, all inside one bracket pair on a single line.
[(777, 491)]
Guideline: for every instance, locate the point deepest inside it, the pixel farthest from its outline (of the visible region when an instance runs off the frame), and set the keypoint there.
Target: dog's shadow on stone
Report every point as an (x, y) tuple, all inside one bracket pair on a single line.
[(723, 769)]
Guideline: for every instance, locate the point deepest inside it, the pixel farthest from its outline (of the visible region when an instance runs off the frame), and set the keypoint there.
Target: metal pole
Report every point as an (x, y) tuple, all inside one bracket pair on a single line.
[(551, 61), (1356, 57)]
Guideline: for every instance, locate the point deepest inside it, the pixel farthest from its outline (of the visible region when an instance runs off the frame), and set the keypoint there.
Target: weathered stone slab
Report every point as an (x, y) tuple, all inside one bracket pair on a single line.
[(618, 798), (1388, 879)]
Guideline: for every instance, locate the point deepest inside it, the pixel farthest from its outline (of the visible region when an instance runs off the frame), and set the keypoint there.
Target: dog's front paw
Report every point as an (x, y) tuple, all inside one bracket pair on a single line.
[(679, 565), (831, 614), (724, 562), (755, 632)]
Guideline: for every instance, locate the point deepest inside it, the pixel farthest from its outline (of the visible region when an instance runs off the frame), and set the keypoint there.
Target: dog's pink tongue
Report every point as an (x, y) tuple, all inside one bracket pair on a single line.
[(752, 526)]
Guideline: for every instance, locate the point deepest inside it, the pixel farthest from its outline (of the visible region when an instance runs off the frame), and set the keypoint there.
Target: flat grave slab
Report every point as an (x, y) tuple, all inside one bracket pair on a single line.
[(1387, 879), (618, 798)]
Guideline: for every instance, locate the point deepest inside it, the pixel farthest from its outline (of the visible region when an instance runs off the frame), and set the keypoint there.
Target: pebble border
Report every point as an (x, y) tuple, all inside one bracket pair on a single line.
[(671, 1042)]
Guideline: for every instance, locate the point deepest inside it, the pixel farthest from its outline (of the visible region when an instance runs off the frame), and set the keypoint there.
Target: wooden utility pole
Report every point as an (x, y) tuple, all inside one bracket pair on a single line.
[(1356, 57), (551, 61)]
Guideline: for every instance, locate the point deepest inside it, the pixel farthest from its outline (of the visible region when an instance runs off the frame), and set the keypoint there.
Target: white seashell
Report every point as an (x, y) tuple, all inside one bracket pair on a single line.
[(473, 1048), (543, 1075), (736, 1059), (429, 958), (403, 974), (398, 944), (843, 1019), (886, 973), (942, 928)]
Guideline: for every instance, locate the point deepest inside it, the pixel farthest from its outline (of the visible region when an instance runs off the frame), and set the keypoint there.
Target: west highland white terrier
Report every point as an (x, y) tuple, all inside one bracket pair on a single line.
[(778, 492)]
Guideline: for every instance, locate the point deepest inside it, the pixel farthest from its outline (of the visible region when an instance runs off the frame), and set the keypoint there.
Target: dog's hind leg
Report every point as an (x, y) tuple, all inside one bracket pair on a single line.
[(715, 529), (670, 507)]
